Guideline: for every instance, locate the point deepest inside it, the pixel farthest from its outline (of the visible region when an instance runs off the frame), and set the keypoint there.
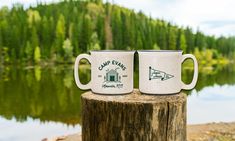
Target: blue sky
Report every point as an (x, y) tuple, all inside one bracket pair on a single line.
[(214, 17)]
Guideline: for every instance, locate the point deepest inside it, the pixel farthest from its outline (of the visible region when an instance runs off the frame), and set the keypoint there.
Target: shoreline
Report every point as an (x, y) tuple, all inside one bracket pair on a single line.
[(221, 131)]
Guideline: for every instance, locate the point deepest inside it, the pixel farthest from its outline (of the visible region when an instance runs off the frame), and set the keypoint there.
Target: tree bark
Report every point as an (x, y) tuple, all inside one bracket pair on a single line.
[(133, 117)]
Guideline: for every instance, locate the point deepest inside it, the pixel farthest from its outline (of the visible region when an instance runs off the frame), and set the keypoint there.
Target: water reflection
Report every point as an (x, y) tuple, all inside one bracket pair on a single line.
[(33, 130), (48, 98), (219, 75), (212, 104), (47, 94)]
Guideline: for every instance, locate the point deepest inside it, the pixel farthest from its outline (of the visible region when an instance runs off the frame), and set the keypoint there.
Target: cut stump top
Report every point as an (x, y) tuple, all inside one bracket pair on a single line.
[(136, 97)]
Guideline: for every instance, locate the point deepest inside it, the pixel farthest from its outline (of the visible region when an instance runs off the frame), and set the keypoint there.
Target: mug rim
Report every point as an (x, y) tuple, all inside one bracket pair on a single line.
[(159, 50), (112, 51)]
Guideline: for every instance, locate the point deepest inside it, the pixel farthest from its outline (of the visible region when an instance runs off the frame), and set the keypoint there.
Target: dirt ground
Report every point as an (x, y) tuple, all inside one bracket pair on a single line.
[(211, 132), (200, 132)]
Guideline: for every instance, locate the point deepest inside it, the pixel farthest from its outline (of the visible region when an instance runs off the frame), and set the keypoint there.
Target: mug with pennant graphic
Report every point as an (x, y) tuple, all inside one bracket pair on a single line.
[(160, 71), (111, 71)]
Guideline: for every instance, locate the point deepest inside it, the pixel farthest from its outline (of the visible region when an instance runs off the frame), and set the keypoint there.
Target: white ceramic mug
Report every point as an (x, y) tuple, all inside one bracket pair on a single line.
[(160, 71), (111, 71)]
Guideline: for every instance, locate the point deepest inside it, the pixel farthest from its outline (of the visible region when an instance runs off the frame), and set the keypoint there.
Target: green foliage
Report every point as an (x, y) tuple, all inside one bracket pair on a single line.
[(37, 55), (68, 50), (60, 34), (37, 72), (183, 44), (171, 39), (33, 17), (89, 25), (200, 40), (34, 38), (209, 57), (94, 43), (156, 47), (4, 57), (85, 34), (189, 36), (28, 51), (197, 53), (43, 94)]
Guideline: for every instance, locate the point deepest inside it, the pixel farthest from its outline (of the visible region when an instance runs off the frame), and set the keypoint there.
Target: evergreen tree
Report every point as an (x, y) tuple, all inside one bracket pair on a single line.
[(28, 51), (92, 25), (156, 47), (85, 33), (182, 42), (33, 17), (94, 42), (200, 40), (189, 39), (139, 44), (60, 34), (68, 50), (37, 55), (171, 39), (45, 37), (117, 28), (101, 31), (162, 38), (34, 38), (1, 38), (210, 41)]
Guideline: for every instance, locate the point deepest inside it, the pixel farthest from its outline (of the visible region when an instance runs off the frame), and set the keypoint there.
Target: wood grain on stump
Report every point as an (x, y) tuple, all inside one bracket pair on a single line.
[(133, 117)]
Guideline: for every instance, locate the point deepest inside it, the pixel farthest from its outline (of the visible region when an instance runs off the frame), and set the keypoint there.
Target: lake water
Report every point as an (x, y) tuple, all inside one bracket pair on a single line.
[(40, 102)]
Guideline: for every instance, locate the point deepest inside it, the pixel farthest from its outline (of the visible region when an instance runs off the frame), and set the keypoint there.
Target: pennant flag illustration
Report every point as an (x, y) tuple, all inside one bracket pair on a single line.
[(157, 74)]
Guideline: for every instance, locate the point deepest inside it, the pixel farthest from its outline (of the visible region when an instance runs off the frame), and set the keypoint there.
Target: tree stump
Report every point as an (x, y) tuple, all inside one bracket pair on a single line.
[(133, 117)]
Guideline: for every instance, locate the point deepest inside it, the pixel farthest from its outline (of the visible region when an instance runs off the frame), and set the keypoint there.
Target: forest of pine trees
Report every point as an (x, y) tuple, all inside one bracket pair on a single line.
[(58, 32)]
